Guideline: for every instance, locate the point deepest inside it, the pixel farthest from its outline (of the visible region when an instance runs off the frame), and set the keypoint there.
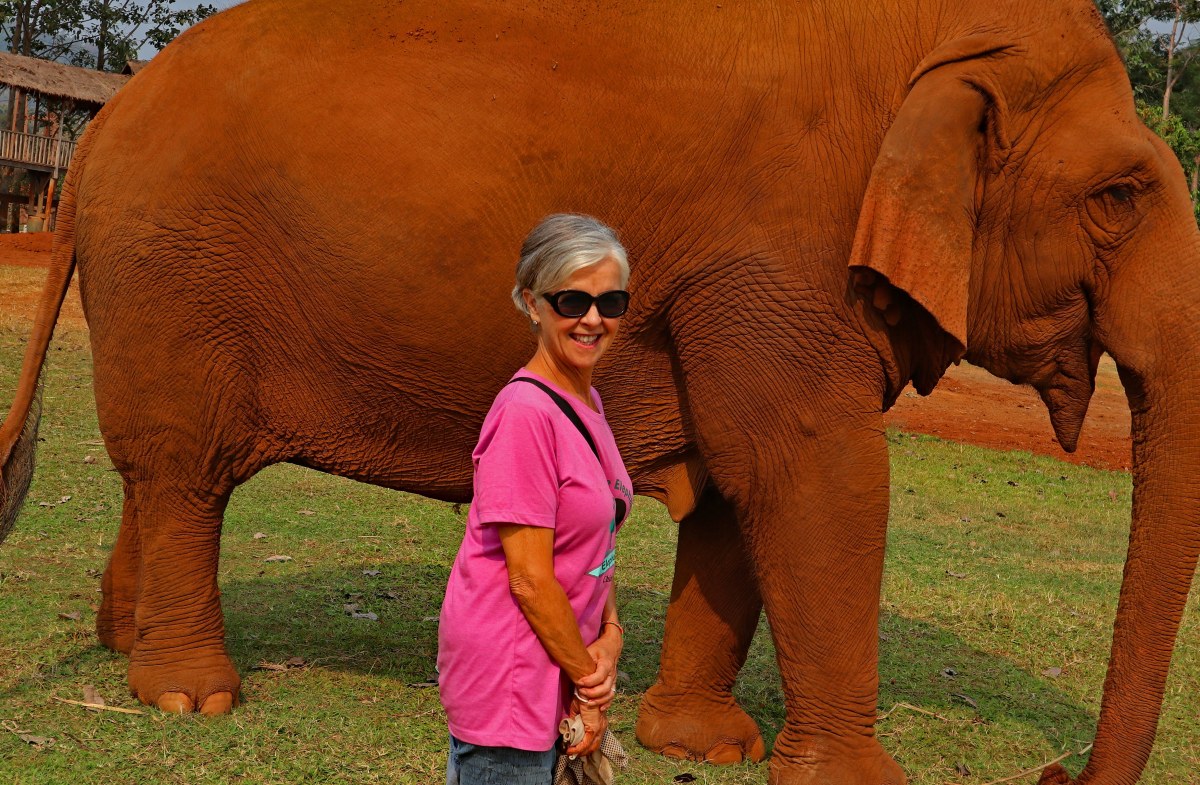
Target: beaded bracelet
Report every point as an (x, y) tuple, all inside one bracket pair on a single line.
[(615, 624)]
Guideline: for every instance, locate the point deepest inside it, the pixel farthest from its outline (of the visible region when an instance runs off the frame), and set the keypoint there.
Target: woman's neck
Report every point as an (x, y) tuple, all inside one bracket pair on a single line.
[(575, 381)]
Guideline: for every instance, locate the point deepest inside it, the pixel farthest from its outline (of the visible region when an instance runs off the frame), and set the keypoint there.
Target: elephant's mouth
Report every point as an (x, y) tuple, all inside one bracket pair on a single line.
[(1067, 390)]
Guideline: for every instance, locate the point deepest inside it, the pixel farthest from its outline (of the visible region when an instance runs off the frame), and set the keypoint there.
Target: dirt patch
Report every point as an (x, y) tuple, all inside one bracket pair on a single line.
[(23, 262), (969, 405), (26, 249)]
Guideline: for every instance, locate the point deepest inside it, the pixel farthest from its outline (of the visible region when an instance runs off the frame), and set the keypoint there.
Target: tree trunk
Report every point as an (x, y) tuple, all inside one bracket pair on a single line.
[(1195, 184), (102, 37), (1172, 44)]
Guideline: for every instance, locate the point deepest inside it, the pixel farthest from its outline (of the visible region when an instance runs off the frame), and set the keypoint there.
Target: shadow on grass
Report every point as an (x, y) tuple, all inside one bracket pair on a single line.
[(304, 614)]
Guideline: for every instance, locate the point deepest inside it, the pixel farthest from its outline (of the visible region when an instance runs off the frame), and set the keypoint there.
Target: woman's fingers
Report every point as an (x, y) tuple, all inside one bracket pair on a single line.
[(587, 744)]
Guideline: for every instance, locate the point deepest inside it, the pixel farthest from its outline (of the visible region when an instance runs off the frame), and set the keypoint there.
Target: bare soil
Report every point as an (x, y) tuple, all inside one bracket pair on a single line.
[(969, 405), (26, 249)]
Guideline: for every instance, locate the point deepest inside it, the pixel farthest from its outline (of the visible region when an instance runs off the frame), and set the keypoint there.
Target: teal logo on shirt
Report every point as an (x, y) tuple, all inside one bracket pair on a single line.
[(610, 558)]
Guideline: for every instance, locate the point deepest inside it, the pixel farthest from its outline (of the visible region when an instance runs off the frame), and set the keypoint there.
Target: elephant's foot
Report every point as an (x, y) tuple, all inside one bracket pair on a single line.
[(861, 761), (206, 682), (693, 726)]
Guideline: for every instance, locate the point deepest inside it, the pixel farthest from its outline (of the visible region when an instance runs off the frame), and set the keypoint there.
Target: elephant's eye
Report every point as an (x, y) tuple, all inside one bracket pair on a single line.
[(1120, 193), (1112, 211)]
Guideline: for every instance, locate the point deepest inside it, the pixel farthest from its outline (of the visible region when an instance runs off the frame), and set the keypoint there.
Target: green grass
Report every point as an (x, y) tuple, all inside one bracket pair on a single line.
[(1000, 566)]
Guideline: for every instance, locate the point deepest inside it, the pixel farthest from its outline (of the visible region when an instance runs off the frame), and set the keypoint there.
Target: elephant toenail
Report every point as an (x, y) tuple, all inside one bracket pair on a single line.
[(175, 703)]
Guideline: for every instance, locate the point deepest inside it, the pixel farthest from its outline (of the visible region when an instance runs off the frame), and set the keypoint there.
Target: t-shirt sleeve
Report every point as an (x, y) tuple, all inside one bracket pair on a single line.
[(516, 471)]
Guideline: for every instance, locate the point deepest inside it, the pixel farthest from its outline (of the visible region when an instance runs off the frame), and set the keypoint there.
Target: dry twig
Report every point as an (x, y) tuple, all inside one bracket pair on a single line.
[(1035, 769), (911, 707), (97, 706)]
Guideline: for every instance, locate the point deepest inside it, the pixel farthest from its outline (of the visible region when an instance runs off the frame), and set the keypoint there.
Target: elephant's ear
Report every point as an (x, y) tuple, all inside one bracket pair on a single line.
[(917, 224)]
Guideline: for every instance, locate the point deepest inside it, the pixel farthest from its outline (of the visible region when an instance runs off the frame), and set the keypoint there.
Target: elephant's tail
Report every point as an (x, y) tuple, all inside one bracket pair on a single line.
[(18, 433)]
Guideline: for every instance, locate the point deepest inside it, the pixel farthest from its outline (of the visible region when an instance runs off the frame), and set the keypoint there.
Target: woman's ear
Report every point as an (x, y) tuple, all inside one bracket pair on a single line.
[(530, 304), (917, 224)]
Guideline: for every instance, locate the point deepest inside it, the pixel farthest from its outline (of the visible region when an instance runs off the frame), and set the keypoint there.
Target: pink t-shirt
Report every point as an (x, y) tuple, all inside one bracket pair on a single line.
[(532, 467)]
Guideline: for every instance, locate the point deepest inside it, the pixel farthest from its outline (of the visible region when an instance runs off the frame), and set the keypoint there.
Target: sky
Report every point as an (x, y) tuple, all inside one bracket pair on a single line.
[(146, 52)]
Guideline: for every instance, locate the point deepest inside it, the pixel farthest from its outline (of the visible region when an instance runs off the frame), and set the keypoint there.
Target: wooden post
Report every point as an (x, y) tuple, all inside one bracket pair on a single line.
[(58, 117)]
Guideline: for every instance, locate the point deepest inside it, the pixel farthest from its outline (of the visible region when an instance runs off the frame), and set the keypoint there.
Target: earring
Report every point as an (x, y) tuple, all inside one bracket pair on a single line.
[(537, 325)]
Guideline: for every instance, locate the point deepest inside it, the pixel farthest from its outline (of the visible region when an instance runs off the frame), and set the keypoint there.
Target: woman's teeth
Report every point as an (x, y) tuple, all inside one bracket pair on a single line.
[(586, 340)]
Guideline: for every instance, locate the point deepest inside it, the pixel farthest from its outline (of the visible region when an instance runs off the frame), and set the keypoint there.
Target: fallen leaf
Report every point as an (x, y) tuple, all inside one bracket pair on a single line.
[(277, 558), (89, 459), (370, 573), (388, 595), (259, 536), (622, 677), (91, 696), (430, 682), (296, 662), (1013, 483), (72, 616), (959, 575), (350, 607), (64, 500), (967, 699), (92, 573), (365, 615), (1000, 514), (1053, 672), (685, 777), (37, 741), (962, 770), (1112, 496), (429, 618), (949, 673), (305, 512)]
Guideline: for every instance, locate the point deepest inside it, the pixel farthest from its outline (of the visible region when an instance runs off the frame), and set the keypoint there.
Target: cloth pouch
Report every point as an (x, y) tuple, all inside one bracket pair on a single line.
[(599, 768)]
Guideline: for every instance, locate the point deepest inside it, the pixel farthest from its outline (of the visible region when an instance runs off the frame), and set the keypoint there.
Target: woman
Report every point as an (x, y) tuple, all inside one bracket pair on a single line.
[(529, 632)]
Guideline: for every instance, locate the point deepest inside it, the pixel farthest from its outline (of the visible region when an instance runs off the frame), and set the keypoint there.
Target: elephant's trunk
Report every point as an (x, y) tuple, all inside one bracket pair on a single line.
[(1156, 347)]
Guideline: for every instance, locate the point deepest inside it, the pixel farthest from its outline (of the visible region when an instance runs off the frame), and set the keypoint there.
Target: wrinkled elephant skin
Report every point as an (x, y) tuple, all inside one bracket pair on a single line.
[(296, 230)]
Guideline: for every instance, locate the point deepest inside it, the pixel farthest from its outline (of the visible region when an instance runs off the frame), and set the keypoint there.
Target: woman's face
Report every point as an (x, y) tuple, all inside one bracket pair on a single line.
[(577, 344)]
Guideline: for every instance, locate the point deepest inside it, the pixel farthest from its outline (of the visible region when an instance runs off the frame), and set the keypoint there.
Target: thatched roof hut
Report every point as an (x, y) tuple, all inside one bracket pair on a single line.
[(133, 66), (82, 85)]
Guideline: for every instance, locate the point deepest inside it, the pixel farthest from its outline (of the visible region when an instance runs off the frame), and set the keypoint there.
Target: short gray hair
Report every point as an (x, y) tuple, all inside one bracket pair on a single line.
[(560, 246)]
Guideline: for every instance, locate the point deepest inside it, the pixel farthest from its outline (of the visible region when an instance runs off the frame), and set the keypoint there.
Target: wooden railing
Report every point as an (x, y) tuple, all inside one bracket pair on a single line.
[(36, 151)]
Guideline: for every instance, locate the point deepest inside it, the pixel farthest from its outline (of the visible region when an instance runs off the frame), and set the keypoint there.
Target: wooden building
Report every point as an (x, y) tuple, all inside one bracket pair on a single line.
[(45, 155)]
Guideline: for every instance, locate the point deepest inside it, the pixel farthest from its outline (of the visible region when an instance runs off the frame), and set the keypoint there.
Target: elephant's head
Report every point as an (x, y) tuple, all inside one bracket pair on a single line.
[(1019, 214)]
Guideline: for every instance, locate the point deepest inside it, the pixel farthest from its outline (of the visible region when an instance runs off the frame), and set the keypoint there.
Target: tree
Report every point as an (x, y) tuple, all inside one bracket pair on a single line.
[(100, 34), (1153, 37)]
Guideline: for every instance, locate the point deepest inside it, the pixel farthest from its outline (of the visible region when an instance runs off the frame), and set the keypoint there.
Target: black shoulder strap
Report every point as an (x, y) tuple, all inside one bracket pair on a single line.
[(567, 409)]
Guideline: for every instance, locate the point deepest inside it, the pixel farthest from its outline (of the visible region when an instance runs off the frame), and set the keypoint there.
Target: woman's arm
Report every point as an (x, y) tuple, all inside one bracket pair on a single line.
[(601, 684), (529, 555)]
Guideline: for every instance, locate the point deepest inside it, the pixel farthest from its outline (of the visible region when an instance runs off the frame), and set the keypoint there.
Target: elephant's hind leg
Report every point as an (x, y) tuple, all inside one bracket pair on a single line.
[(690, 711), (114, 622), (178, 660)]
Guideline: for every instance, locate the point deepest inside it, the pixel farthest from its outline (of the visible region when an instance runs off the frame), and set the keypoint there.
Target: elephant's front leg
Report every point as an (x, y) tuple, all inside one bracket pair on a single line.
[(178, 661), (814, 516), (803, 460), (690, 711)]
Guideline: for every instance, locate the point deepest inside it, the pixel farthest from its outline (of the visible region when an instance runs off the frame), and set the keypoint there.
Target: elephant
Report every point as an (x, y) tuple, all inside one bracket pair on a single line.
[(295, 232)]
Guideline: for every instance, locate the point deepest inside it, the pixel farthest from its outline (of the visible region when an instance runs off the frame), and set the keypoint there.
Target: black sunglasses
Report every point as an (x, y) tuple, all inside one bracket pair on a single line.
[(572, 303)]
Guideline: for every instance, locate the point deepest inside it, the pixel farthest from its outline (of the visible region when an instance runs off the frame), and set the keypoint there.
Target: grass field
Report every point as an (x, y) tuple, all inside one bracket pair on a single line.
[(999, 596)]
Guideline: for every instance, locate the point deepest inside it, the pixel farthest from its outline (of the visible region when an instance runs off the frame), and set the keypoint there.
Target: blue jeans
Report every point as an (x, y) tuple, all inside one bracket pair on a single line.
[(470, 764)]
